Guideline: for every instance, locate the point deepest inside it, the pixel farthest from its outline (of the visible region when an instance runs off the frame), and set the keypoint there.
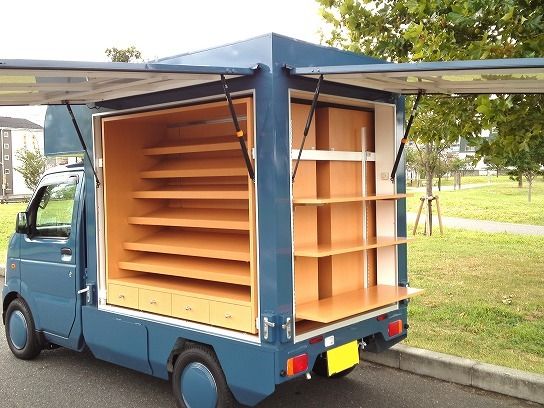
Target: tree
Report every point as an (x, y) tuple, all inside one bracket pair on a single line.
[(33, 164), (438, 30), (128, 54)]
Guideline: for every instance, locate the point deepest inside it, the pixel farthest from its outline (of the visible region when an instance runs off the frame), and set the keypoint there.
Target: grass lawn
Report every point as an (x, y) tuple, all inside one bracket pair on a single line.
[(484, 297), (7, 225), (501, 201)]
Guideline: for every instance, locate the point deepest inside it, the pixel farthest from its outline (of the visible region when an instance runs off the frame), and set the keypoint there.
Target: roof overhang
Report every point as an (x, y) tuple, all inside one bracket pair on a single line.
[(522, 75), (33, 82)]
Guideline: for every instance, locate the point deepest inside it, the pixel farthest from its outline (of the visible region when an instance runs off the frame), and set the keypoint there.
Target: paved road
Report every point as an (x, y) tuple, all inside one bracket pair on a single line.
[(447, 188), (66, 379), (480, 225)]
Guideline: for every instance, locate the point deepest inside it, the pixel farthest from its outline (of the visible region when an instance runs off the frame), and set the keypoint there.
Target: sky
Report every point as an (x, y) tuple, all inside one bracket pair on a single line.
[(81, 31)]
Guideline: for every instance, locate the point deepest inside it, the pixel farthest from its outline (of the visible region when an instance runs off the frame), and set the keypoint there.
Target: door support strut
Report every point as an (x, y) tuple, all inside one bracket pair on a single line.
[(239, 131), (308, 124), (78, 131), (404, 139)]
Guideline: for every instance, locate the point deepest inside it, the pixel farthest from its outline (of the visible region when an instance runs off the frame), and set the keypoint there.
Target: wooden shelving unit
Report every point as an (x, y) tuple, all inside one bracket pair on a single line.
[(343, 216), (351, 303), (180, 214)]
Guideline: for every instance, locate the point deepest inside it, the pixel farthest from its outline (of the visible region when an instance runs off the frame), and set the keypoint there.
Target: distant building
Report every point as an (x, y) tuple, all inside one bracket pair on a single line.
[(16, 133)]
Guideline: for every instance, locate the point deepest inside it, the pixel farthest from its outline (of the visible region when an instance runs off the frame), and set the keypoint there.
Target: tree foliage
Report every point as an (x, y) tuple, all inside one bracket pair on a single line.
[(128, 54), (33, 164), (443, 30)]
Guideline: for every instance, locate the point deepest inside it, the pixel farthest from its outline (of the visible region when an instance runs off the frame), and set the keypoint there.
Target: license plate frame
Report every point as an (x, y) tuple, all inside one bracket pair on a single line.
[(342, 357)]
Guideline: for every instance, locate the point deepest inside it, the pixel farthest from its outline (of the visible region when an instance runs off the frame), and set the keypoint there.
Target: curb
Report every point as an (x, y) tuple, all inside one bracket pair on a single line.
[(502, 380)]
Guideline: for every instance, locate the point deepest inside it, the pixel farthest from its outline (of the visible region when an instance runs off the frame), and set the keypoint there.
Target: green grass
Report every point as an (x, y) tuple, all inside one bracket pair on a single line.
[(502, 201), (7, 225), (483, 297)]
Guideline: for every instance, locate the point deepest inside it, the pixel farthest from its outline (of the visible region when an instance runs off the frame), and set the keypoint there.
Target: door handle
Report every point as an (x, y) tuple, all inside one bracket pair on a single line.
[(66, 254)]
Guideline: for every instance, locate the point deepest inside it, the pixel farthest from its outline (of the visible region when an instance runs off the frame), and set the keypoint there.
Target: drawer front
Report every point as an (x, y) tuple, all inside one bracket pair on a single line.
[(190, 308), (125, 296), (155, 302), (232, 316)]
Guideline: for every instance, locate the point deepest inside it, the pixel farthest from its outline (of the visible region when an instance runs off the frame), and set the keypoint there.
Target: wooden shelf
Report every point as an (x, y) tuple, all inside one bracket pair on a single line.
[(328, 250), (236, 273), (205, 192), (192, 148), (233, 247), (353, 303), (196, 217), (323, 201), (197, 168), (190, 287)]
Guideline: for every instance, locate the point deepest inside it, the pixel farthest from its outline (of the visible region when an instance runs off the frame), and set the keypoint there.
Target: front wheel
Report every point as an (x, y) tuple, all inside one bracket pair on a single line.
[(22, 338), (198, 380)]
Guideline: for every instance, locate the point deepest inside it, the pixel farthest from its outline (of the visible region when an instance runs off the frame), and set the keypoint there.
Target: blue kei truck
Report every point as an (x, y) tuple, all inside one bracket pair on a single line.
[(237, 219)]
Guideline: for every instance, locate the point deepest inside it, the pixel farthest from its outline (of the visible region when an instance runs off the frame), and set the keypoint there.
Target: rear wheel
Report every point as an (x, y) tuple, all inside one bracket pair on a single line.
[(198, 380), (21, 335)]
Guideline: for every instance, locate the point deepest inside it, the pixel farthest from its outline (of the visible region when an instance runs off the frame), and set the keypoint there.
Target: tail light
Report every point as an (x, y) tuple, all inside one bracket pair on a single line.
[(297, 364), (395, 328)]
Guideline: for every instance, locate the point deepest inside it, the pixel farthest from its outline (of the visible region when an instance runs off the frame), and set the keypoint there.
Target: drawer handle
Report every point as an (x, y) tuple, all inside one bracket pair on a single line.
[(188, 308), (121, 296), (152, 302), (228, 316)]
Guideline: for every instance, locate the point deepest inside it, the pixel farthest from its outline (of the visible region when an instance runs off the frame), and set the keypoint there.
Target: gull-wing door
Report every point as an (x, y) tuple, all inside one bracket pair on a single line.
[(501, 76), (35, 82)]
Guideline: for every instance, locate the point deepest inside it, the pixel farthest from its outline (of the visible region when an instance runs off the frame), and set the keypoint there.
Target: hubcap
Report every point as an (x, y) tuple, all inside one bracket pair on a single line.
[(198, 387), (18, 330)]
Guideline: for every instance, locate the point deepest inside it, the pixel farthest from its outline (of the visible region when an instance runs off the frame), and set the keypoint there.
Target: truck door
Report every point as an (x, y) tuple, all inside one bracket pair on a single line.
[(49, 267)]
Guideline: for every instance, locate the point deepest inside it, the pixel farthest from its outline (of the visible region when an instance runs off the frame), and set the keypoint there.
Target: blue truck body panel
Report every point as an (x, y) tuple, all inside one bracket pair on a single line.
[(253, 368)]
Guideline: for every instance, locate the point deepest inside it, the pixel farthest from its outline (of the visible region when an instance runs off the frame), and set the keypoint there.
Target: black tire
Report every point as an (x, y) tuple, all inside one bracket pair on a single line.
[(320, 369), (26, 344), (194, 358)]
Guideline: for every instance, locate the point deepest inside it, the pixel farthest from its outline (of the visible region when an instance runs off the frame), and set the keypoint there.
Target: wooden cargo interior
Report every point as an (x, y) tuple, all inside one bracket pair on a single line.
[(179, 214), (344, 214)]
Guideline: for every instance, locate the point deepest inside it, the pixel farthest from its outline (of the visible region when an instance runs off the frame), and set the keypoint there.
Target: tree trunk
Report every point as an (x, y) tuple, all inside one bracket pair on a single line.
[(429, 184), (439, 183), (530, 190), (520, 180)]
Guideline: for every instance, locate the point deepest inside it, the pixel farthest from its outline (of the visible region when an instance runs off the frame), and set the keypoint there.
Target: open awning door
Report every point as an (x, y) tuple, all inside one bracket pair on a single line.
[(27, 82), (504, 76)]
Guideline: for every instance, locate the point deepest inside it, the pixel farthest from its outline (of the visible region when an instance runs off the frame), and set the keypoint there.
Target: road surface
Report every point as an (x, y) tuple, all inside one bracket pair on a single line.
[(67, 379)]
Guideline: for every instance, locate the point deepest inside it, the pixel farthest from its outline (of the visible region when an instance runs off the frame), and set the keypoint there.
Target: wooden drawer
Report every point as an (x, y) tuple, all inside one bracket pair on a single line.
[(232, 316), (190, 308), (125, 296), (155, 302)]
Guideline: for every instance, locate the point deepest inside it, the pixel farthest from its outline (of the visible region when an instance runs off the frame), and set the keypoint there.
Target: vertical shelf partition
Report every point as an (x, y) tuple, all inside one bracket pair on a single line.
[(343, 215), (180, 214)]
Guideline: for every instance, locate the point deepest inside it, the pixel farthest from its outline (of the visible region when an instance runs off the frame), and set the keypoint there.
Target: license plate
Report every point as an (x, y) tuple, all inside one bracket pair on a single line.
[(343, 357)]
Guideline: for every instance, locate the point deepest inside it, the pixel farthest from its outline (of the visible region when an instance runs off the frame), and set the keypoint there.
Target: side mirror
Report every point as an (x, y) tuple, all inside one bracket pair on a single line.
[(21, 223)]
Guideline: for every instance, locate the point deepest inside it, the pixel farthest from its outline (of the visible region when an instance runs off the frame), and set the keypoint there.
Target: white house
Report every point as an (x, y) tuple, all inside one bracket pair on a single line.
[(16, 134)]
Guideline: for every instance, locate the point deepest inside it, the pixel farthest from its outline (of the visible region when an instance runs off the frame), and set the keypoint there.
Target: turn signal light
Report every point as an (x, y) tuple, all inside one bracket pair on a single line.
[(395, 328), (297, 364)]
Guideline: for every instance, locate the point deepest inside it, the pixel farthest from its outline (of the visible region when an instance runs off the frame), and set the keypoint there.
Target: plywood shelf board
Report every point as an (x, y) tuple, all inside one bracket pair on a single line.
[(349, 199), (223, 167), (195, 217), (205, 192), (236, 273), (344, 248), (201, 244), (192, 148), (353, 303), (190, 287)]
